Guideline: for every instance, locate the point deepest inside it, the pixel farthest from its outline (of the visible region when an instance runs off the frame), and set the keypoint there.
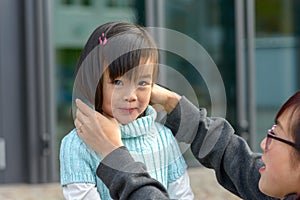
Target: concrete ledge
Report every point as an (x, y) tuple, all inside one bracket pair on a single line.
[(203, 183)]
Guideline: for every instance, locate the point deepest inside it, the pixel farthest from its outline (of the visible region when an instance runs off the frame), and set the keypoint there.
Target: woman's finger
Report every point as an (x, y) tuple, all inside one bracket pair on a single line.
[(77, 124), (85, 109), (84, 112), (82, 117)]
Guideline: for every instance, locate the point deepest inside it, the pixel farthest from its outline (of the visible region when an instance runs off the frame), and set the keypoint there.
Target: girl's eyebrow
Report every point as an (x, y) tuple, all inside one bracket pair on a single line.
[(146, 76)]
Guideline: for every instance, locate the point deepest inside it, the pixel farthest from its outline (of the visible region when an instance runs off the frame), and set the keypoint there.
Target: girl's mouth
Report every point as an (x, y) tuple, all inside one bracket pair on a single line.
[(127, 110)]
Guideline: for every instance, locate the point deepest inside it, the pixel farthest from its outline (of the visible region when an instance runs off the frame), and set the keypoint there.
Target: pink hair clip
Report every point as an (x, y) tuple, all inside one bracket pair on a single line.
[(102, 39)]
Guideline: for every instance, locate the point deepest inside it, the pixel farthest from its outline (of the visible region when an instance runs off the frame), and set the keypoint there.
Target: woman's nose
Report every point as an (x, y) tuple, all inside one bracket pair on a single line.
[(263, 144)]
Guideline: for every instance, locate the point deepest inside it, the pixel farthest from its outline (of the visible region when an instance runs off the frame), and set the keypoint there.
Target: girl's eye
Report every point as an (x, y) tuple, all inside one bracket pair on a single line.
[(143, 83), (117, 82)]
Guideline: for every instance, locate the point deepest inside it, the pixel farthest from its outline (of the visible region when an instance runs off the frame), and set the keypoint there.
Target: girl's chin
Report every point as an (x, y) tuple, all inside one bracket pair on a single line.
[(125, 120)]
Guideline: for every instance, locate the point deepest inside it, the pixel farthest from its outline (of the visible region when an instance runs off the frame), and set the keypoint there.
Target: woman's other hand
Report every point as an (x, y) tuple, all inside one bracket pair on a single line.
[(163, 99)]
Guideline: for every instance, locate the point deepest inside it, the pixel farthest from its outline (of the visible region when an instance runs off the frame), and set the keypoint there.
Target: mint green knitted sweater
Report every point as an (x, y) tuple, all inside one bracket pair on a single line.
[(148, 142)]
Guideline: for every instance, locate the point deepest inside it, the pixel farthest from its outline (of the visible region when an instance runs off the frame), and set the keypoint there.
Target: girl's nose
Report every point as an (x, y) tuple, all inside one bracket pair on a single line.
[(130, 96)]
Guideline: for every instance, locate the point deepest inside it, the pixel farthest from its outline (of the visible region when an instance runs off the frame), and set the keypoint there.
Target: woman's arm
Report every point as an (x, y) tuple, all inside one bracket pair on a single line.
[(215, 145)]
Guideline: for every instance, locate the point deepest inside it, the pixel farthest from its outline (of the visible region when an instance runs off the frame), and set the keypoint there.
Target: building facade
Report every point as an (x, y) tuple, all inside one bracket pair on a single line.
[(253, 46)]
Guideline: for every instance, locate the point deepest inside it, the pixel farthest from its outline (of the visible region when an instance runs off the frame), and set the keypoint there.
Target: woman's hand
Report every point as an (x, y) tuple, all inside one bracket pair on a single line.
[(162, 98), (99, 132)]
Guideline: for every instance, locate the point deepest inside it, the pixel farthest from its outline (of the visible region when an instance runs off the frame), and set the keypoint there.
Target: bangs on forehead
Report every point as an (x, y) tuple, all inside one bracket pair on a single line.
[(128, 64), (127, 50)]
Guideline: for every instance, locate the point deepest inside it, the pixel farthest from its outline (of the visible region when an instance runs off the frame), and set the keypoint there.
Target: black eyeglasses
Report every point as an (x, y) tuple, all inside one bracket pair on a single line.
[(271, 135)]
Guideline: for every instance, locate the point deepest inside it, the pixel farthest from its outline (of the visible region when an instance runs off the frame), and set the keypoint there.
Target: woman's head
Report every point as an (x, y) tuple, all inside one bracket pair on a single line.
[(128, 62), (281, 174)]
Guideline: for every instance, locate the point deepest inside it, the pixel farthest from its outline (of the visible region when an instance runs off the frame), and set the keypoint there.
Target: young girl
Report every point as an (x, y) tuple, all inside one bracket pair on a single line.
[(115, 74)]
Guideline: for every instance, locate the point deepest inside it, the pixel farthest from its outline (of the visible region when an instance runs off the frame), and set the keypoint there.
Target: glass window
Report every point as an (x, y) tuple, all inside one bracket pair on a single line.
[(276, 57), (274, 18)]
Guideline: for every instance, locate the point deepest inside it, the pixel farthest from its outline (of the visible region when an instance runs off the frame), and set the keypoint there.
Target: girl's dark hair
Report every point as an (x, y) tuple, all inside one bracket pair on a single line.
[(293, 106), (128, 46)]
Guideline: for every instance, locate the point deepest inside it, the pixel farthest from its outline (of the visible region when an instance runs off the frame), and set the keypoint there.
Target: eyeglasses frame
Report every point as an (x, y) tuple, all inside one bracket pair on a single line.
[(272, 135)]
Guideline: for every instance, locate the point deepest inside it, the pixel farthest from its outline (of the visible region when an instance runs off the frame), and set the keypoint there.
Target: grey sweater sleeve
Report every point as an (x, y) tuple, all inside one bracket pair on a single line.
[(127, 179), (215, 146)]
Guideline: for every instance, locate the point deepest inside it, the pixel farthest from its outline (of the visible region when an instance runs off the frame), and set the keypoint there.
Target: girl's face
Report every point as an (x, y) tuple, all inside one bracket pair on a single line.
[(125, 99), (280, 176)]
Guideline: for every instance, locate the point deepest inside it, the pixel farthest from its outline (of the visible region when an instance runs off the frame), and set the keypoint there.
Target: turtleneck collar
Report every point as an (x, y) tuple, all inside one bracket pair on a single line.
[(140, 126)]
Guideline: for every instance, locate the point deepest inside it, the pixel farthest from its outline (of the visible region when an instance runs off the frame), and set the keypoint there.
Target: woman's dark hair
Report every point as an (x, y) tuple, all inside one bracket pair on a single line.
[(293, 106), (128, 46)]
